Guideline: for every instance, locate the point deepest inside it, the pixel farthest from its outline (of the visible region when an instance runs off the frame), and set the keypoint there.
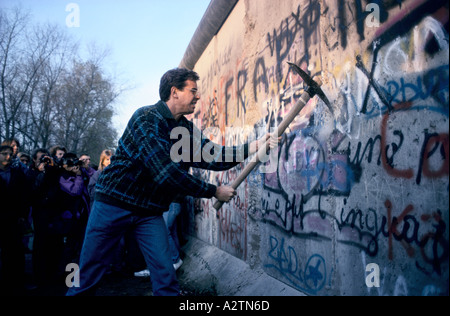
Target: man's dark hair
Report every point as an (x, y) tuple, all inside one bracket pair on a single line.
[(40, 150), (70, 156), (175, 78), (71, 159), (3, 147)]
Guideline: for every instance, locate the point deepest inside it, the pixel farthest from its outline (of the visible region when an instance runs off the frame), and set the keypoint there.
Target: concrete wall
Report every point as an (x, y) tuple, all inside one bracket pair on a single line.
[(368, 183)]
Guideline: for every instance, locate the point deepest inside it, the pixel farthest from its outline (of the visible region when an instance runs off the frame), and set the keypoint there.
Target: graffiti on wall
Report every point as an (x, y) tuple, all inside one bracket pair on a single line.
[(373, 176)]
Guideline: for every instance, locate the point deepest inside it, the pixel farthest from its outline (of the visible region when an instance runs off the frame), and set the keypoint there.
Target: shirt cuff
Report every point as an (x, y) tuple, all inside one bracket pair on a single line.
[(211, 191)]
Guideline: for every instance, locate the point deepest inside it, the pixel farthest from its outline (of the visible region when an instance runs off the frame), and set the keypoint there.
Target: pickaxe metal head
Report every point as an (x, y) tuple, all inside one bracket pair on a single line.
[(313, 86)]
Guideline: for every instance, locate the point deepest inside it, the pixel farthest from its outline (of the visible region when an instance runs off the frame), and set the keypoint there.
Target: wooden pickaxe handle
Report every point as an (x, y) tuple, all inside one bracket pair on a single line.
[(306, 96)]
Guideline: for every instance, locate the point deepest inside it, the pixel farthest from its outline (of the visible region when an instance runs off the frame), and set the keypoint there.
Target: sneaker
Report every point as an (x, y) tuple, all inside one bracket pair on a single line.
[(178, 264), (143, 273)]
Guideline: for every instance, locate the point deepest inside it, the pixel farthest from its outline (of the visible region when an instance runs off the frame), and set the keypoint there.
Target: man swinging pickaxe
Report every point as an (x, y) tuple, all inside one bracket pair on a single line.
[(312, 90)]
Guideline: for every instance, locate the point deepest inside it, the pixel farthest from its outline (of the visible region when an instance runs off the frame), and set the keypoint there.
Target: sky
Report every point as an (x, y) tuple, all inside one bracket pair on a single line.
[(145, 38)]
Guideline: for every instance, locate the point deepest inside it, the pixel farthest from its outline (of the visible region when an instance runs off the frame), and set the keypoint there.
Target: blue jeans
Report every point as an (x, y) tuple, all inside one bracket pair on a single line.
[(106, 226), (170, 217)]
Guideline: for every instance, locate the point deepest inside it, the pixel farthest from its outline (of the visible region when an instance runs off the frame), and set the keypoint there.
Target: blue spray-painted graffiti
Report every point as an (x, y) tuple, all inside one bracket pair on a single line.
[(284, 259)]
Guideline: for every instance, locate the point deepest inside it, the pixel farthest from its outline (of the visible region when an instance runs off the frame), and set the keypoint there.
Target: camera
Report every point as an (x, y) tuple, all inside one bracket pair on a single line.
[(72, 162), (45, 159), (58, 162)]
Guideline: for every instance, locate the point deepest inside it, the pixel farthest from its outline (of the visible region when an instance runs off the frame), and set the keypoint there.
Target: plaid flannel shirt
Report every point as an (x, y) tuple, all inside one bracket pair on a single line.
[(142, 175)]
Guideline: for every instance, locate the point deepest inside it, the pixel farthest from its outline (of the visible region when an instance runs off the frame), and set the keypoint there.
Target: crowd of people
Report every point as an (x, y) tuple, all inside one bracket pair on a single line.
[(46, 200), (51, 194)]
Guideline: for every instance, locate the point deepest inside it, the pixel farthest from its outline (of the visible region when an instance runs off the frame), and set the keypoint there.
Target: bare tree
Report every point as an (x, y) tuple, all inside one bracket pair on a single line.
[(13, 85), (85, 108), (48, 94), (42, 102)]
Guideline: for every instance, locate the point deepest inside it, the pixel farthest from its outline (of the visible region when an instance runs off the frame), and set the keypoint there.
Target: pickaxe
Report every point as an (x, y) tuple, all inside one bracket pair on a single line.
[(312, 90)]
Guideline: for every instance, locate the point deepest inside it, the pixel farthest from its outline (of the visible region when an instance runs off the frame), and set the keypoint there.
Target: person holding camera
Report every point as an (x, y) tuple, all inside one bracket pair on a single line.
[(13, 183), (45, 212), (75, 205)]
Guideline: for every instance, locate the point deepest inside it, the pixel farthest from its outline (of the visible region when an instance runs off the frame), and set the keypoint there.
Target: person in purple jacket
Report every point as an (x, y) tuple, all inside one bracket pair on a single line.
[(75, 206)]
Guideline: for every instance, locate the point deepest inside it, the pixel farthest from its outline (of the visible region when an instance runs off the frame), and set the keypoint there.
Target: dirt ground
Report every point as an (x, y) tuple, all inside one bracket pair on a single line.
[(121, 284)]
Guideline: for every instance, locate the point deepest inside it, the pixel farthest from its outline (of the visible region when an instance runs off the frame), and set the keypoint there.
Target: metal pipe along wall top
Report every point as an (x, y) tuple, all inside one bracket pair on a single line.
[(213, 19)]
